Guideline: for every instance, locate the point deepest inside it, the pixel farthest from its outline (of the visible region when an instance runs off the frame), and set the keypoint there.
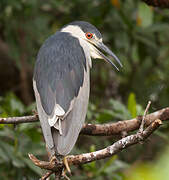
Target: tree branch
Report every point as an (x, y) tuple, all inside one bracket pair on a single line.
[(45, 176), (151, 121), (101, 129), (19, 120), (118, 146), (158, 3), (124, 126)]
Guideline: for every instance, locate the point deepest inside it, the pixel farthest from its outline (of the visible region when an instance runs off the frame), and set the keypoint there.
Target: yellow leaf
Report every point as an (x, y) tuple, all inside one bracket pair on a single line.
[(138, 20), (116, 3)]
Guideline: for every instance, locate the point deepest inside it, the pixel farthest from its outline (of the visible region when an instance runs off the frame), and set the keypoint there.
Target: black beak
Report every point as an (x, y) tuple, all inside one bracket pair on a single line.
[(100, 47)]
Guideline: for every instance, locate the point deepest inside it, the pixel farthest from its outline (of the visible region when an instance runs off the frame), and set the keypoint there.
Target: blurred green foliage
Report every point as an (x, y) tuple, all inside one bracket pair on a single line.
[(150, 171), (17, 141), (138, 35)]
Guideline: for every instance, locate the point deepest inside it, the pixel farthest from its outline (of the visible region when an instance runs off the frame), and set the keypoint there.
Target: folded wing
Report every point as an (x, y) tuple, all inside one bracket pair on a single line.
[(61, 85)]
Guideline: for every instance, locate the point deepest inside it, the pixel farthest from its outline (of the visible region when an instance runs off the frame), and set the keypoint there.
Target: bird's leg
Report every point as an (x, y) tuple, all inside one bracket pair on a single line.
[(58, 158), (67, 168), (53, 159)]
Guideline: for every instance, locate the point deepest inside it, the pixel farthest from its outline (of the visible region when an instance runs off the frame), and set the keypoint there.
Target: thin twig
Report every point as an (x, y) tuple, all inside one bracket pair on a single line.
[(100, 154), (102, 129), (141, 129), (48, 165), (45, 176)]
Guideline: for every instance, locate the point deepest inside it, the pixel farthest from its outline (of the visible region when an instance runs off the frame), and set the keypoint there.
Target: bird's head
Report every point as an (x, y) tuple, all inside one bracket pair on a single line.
[(91, 35)]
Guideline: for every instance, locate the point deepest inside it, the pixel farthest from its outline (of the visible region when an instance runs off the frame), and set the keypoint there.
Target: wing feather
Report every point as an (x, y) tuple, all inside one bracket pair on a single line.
[(74, 121), (59, 77)]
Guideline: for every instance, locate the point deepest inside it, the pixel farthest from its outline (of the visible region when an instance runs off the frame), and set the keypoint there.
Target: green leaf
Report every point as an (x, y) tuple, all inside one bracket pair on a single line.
[(104, 116), (3, 157), (145, 13), (107, 164), (119, 110), (157, 28), (132, 105), (17, 162), (17, 106), (139, 109), (145, 40), (34, 168)]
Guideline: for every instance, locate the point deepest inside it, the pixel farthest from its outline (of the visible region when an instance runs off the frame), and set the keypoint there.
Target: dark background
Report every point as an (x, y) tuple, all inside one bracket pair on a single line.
[(136, 33)]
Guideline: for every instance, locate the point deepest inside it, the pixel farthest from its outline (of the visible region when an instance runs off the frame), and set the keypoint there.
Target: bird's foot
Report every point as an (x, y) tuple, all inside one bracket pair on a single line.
[(53, 159), (67, 168)]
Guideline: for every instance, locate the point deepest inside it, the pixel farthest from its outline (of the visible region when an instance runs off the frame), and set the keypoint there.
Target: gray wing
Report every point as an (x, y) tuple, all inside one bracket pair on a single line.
[(59, 76)]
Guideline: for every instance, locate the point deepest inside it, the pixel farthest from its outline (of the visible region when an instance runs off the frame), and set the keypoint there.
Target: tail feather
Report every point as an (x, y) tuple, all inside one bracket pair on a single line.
[(71, 127), (73, 122)]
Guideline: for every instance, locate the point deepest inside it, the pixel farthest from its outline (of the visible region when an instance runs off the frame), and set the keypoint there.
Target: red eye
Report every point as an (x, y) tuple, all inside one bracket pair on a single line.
[(89, 35)]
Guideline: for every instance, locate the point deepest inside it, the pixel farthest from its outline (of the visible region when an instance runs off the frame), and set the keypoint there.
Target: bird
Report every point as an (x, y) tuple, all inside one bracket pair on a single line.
[(61, 82)]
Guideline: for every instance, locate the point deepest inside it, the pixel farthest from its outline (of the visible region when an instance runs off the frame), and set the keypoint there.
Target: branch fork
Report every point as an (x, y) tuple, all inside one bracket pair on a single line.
[(118, 146), (150, 122)]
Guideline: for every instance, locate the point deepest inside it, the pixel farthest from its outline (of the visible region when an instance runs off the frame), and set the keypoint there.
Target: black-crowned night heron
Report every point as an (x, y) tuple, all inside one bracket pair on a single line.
[(61, 82)]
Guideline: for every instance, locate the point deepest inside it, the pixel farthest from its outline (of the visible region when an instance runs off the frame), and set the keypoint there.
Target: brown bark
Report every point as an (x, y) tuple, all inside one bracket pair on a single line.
[(111, 150), (151, 121), (102, 129), (158, 3)]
